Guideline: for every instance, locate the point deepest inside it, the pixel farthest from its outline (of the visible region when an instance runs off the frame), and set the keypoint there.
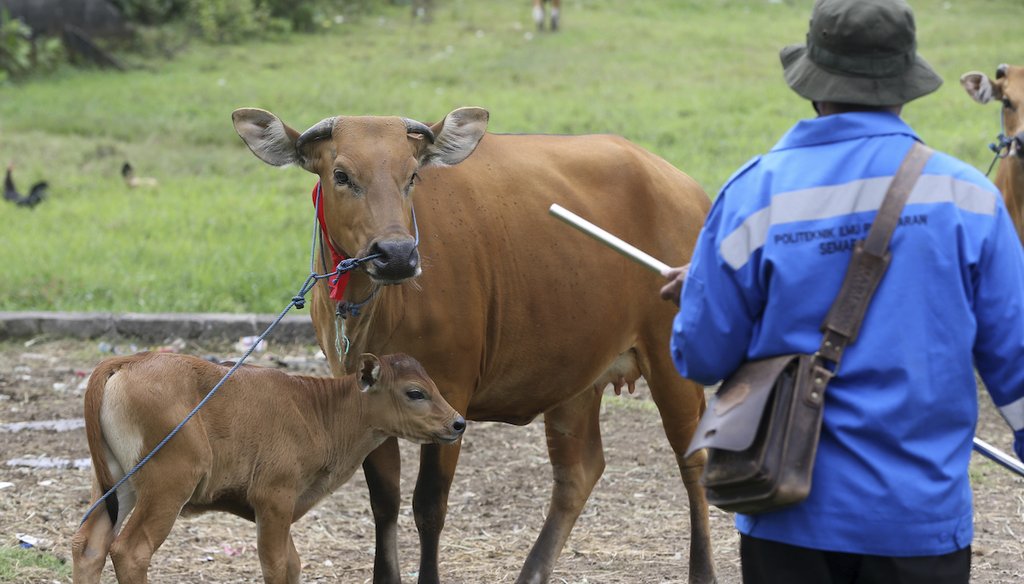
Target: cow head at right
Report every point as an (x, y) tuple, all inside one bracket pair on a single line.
[(368, 167), (1008, 89)]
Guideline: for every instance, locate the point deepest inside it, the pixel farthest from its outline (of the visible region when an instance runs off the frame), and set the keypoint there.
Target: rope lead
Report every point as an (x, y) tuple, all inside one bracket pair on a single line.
[(298, 301)]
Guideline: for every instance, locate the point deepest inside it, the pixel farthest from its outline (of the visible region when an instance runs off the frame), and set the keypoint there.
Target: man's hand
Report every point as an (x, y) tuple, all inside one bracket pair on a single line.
[(676, 277)]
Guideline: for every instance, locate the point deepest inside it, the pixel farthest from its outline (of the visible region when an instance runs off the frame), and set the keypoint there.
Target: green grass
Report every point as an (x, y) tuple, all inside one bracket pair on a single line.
[(696, 81), (21, 566)]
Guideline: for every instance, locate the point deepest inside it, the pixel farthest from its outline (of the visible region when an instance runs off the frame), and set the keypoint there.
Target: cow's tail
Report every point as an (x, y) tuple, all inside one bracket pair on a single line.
[(98, 447)]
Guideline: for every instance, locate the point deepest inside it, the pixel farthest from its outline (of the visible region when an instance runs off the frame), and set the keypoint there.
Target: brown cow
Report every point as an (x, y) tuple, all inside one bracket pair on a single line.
[(1008, 89), (267, 447), (515, 314), (538, 13)]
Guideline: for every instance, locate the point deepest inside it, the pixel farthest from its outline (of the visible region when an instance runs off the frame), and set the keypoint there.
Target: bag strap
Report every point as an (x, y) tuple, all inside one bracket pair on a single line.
[(871, 257)]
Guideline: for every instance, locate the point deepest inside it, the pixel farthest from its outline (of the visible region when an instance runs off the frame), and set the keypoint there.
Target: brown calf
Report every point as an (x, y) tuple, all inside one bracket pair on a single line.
[(1008, 89), (267, 447)]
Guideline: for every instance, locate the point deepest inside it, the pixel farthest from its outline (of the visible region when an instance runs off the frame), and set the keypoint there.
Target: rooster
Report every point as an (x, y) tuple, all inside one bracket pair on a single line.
[(128, 173), (35, 195)]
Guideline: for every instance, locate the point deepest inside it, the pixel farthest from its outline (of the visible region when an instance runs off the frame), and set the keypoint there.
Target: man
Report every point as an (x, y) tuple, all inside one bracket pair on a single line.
[(891, 499)]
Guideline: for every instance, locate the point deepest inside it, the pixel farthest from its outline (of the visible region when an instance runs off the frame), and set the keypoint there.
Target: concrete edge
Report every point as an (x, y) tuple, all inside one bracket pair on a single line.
[(153, 327)]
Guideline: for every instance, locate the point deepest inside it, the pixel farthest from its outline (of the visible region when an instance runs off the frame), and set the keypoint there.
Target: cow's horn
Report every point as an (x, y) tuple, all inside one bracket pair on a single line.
[(320, 131), (414, 127)]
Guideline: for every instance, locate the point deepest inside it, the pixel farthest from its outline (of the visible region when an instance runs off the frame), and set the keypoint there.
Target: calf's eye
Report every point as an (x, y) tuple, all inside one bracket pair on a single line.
[(341, 177), (415, 394)]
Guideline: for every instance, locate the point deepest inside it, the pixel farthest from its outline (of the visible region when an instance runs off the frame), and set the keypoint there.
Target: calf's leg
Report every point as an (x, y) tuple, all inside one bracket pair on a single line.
[(577, 462), (90, 546), (147, 528), (91, 543), (278, 558)]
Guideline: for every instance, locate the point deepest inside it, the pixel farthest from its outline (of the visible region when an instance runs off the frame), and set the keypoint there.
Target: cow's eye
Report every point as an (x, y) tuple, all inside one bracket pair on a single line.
[(412, 182), (341, 177), (1008, 104), (415, 394)]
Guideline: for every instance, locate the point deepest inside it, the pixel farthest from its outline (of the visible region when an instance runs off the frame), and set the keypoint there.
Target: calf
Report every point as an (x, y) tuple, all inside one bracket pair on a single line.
[(267, 447)]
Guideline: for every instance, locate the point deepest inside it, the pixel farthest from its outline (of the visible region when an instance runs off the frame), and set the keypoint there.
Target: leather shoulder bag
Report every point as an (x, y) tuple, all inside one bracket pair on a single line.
[(761, 428)]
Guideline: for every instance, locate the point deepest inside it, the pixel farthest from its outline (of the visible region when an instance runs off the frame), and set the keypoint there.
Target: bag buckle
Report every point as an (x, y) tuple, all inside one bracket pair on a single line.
[(831, 350), (820, 377)]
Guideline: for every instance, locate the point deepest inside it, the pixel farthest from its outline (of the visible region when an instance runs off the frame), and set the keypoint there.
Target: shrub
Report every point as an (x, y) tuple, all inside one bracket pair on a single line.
[(21, 53), (228, 21), (151, 12)]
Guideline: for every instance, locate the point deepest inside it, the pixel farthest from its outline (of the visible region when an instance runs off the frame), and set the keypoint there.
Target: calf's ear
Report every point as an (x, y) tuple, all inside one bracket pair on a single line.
[(980, 87), (266, 135), (369, 370), (456, 137)]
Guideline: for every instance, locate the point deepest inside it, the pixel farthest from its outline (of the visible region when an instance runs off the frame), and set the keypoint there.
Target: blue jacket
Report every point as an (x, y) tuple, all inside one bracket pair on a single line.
[(891, 471)]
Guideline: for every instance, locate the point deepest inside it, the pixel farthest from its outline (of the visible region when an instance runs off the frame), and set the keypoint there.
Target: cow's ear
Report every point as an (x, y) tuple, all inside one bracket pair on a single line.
[(980, 87), (369, 371), (456, 137), (266, 135)]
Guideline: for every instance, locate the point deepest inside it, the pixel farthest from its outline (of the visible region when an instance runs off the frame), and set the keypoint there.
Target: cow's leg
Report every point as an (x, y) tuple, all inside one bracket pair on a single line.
[(430, 502), (273, 537), (382, 469), (577, 461), (423, 10), (294, 562), (538, 13), (91, 544), (556, 12), (681, 403)]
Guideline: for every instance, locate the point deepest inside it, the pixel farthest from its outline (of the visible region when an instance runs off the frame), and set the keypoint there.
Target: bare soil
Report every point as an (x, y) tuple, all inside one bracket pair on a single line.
[(633, 530)]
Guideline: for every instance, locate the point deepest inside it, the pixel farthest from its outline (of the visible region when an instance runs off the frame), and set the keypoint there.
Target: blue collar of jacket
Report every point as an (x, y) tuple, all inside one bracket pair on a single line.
[(841, 127)]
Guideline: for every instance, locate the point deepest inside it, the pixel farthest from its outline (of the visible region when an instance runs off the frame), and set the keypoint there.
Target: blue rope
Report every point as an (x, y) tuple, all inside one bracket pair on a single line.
[(1002, 148), (298, 301)]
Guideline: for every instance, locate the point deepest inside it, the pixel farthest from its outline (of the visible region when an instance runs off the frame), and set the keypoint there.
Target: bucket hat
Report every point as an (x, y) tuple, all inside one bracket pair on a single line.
[(859, 52)]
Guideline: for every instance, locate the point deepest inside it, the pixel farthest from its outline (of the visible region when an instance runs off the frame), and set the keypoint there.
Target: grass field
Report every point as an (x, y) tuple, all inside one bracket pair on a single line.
[(696, 81)]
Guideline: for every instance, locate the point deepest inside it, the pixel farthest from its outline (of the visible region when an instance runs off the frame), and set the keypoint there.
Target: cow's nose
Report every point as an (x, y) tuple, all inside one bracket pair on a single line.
[(459, 425), (399, 259), (1017, 146)]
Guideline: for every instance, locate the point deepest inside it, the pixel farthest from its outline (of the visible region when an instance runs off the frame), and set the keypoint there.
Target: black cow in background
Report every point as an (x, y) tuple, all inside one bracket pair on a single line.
[(76, 22)]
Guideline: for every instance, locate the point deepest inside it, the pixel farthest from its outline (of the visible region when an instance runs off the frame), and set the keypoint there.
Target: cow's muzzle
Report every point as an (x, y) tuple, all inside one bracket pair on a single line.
[(1017, 146), (399, 259)]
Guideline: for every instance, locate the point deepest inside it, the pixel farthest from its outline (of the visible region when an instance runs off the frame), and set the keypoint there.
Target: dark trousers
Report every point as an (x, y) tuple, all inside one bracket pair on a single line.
[(770, 562)]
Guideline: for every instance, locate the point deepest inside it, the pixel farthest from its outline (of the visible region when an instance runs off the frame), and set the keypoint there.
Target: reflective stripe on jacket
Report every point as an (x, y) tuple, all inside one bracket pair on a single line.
[(891, 473)]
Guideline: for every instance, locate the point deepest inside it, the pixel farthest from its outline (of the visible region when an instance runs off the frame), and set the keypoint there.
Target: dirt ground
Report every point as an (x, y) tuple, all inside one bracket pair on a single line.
[(633, 530)]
